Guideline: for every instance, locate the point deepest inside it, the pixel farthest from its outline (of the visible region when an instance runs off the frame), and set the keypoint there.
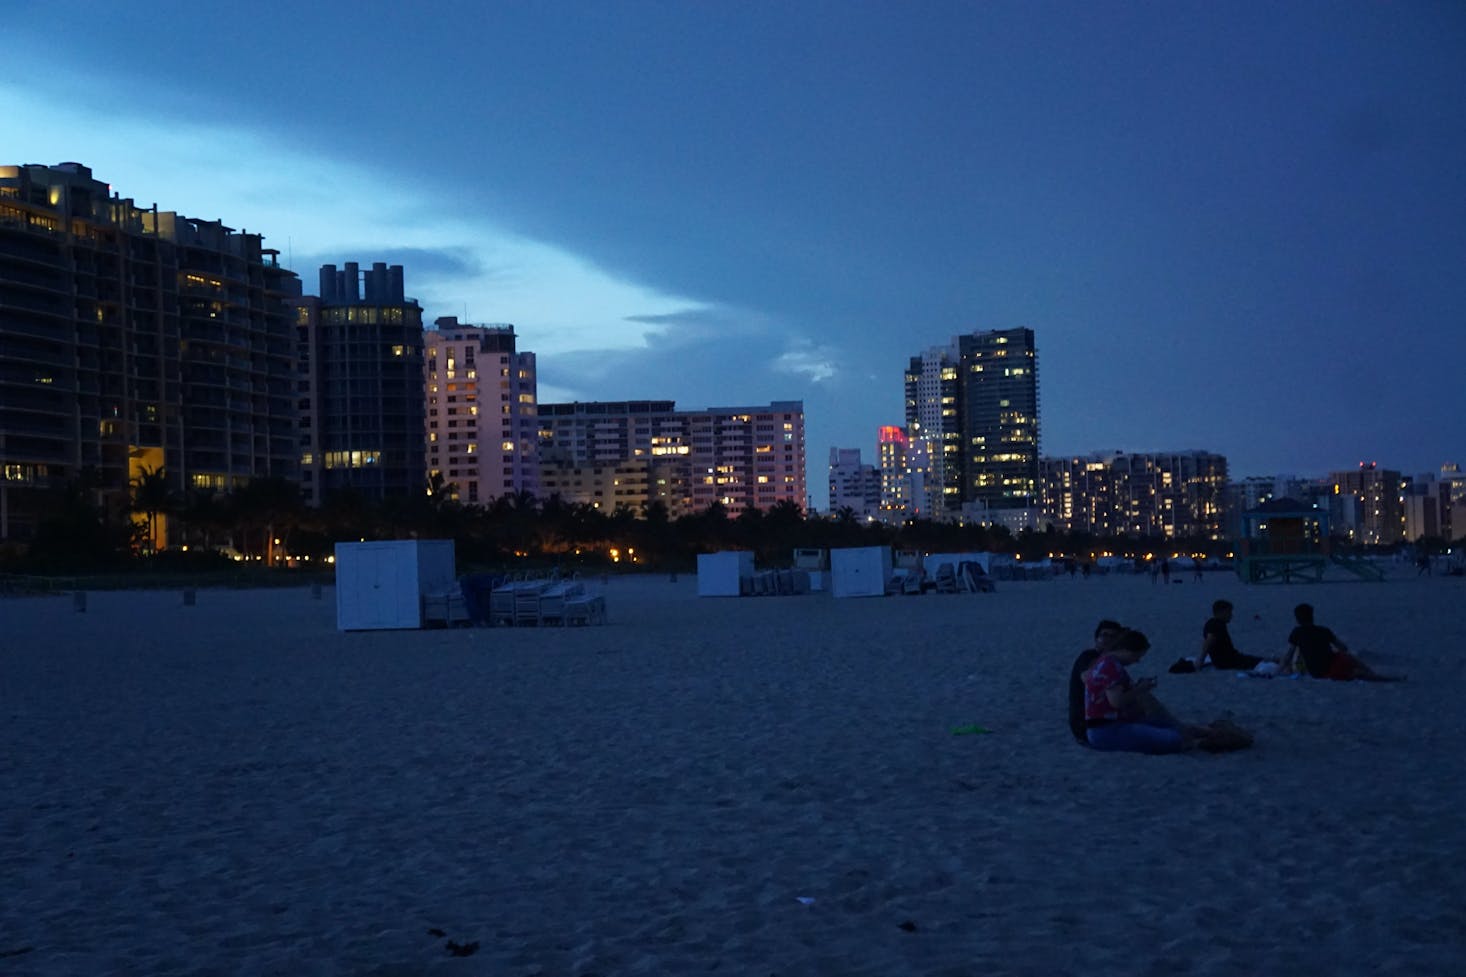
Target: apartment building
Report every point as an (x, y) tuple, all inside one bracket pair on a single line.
[(737, 456), (482, 423), (360, 383), (854, 485), (134, 340), (934, 416), (999, 407), (1171, 495)]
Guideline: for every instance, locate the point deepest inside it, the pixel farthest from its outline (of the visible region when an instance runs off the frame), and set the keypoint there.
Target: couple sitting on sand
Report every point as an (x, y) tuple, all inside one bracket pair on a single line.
[(1312, 649), (1110, 711)]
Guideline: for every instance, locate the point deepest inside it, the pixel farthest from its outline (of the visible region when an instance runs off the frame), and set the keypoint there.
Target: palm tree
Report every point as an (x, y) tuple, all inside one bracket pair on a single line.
[(151, 496), (271, 504)]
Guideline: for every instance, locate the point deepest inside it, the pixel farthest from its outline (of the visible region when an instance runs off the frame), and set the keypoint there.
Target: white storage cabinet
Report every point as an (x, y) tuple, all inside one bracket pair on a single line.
[(860, 571), (380, 585), (719, 574)]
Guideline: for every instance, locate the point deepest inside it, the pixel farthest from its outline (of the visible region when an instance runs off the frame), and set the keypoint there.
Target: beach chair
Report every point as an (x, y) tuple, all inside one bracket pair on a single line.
[(585, 607), (447, 607), (526, 606), (972, 578), (501, 604), (552, 606)]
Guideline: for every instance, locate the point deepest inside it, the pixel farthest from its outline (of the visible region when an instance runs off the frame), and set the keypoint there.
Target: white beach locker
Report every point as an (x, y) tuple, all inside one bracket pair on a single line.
[(380, 585), (719, 574), (861, 571)]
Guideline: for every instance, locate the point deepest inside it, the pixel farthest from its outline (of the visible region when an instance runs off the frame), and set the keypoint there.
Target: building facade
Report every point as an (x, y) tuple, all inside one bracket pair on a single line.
[(482, 423), (1367, 505), (361, 388), (998, 414), (736, 456), (1171, 495), (633, 485), (854, 485), (134, 341), (910, 489), (934, 416)]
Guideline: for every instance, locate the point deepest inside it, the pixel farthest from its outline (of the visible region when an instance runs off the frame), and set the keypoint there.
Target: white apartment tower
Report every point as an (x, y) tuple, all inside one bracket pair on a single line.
[(482, 425), (933, 416), (854, 485)]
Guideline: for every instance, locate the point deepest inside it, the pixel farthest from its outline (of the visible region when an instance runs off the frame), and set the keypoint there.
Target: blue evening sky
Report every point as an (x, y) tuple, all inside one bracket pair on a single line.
[(1233, 226)]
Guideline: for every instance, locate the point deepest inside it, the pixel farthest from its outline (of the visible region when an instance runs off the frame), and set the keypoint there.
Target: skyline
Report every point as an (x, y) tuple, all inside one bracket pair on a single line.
[(734, 206)]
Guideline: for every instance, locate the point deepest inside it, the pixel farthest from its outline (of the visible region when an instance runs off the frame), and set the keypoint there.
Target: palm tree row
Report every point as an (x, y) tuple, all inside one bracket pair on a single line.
[(267, 521)]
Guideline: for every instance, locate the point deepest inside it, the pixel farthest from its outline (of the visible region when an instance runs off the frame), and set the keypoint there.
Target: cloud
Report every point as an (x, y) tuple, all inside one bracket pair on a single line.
[(318, 210), (810, 360)]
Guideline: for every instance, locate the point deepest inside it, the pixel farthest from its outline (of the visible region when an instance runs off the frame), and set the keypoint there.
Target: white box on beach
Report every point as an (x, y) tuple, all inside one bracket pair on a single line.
[(380, 585), (719, 574), (861, 571)]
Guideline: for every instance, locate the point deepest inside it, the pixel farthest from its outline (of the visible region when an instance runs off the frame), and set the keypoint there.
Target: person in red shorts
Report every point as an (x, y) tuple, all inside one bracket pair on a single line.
[(1318, 651)]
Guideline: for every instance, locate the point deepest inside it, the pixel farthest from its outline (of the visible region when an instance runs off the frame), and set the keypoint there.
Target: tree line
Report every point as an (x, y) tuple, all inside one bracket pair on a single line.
[(267, 522)]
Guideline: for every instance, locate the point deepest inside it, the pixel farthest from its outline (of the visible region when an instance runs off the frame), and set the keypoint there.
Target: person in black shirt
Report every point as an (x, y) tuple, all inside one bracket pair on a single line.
[(1216, 642), (1323, 654)]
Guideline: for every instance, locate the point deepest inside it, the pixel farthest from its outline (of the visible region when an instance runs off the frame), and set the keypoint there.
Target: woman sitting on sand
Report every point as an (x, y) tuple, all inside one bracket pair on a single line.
[(1318, 651), (1123, 716)]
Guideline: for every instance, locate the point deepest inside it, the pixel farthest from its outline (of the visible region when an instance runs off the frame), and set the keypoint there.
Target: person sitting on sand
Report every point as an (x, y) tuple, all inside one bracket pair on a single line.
[(1322, 654), (1216, 643), (1105, 633), (1122, 715)]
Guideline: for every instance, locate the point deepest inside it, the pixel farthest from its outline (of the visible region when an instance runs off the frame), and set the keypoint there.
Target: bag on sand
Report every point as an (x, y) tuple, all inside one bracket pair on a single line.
[(1182, 666)]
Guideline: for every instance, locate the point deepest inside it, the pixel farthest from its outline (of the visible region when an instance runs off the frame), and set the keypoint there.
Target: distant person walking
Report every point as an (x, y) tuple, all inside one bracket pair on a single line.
[(1422, 565), (1196, 568), (1166, 570)]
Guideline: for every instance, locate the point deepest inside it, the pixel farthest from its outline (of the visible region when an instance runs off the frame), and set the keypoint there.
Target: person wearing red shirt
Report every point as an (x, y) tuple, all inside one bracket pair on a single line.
[(1122, 715)]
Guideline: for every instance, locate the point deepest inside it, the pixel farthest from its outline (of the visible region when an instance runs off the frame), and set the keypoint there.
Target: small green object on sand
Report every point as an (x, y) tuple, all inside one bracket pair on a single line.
[(967, 730)]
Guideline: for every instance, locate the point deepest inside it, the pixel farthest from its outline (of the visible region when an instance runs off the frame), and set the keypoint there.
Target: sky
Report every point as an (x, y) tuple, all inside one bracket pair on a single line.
[(1233, 227)]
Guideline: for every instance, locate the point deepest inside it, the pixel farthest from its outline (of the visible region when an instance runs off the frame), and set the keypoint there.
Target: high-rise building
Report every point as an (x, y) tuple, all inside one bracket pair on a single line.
[(853, 485), (1368, 504), (934, 416), (737, 456), (998, 399), (482, 428), (134, 340), (360, 346), (1171, 495), (909, 489)]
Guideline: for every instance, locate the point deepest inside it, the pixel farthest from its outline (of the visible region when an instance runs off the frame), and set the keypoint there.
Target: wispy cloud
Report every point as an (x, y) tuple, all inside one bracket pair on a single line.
[(810, 360)]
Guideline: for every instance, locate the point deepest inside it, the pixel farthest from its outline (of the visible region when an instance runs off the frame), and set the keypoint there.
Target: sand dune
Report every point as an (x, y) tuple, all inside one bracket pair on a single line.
[(748, 786)]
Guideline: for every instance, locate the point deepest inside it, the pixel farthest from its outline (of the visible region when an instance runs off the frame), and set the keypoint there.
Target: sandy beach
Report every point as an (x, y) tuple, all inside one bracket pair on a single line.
[(756, 786)]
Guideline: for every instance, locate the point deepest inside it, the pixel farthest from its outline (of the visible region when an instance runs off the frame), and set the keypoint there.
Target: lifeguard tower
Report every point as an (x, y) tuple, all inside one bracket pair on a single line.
[(1287, 541)]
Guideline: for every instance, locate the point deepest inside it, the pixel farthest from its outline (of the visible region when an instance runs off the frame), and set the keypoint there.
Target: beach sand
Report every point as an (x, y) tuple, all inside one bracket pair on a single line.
[(749, 786)]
